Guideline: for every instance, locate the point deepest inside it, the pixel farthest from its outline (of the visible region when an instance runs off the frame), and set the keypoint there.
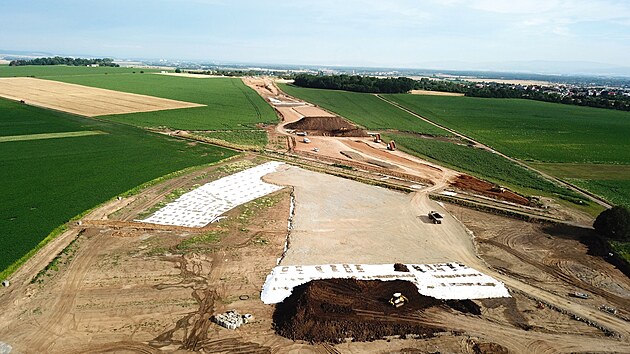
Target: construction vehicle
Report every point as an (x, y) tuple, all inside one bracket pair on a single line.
[(377, 138), (391, 146), (306, 140), (579, 295), (609, 309), (398, 300), (436, 217)]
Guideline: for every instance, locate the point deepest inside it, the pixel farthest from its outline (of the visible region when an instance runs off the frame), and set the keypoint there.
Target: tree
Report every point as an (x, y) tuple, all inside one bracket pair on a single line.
[(614, 223), (178, 70)]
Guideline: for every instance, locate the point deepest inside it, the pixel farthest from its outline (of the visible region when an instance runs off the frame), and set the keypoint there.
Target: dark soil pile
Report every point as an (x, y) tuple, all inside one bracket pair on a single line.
[(488, 189), (399, 267), (326, 126), (334, 310), (489, 348)]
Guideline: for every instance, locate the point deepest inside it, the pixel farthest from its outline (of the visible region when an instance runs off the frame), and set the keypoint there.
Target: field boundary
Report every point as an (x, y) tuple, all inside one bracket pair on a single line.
[(11, 138)]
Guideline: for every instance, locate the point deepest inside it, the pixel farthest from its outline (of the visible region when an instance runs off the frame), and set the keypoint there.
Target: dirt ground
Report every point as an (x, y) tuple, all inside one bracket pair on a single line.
[(191, 75), (129, 288), (124, 286), (82, 100), (434, 93), (343, 221), (311, 111), (326, 126)]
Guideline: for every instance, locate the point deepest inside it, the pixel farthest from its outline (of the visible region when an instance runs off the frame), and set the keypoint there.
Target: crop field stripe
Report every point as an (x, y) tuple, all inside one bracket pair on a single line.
[(49, 181), (364, 109), (4, 139), (229, 104), (531, 130)]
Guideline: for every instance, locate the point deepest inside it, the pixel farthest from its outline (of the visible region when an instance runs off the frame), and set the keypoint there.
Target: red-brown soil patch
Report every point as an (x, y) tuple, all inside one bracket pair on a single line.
[(326, 126), (334, 310), (488, 189)]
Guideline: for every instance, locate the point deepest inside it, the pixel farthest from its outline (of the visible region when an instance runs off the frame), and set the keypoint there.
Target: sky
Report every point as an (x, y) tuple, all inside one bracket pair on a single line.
[(380, 33)]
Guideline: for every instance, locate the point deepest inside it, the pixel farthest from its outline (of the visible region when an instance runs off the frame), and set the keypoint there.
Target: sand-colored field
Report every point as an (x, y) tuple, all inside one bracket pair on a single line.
[(4, 62), (434, 93), (191, 75), (83, 100), (309, 111)]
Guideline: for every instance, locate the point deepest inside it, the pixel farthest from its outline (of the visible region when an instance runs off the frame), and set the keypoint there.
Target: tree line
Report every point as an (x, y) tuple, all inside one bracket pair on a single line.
[(356, 83), (64, 61), (368, 84)]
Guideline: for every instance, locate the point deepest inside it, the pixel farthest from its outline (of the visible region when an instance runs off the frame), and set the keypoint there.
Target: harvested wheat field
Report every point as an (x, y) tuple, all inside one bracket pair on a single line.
[(83, 100)]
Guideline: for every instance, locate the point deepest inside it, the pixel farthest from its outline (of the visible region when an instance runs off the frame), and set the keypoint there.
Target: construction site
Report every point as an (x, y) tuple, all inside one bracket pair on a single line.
[(331, 241)]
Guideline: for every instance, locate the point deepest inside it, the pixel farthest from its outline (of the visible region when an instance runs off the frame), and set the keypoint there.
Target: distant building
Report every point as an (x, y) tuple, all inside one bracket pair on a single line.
[(93, 65)]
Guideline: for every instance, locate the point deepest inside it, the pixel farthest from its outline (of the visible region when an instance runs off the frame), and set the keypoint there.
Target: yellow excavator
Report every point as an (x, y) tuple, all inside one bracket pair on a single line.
[(398, 300)]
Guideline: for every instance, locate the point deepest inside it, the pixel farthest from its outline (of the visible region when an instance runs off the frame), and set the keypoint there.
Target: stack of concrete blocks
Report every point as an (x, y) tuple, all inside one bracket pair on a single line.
[(230, 320)]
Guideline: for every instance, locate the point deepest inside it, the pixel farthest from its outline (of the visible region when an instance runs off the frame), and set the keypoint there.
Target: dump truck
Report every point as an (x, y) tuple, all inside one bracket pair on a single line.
[(436, 217), (579, 295)]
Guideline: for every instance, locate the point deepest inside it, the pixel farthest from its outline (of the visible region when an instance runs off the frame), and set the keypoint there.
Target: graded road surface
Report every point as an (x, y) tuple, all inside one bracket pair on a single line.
[(343, 221)]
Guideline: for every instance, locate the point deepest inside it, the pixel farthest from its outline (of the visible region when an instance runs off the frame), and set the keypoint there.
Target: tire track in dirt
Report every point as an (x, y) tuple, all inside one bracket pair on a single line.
[(61, 315)]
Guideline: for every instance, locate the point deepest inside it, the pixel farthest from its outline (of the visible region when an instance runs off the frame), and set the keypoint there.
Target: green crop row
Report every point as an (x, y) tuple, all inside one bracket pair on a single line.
[(364, 109), (531, 130), (47, 182), (481, 163)]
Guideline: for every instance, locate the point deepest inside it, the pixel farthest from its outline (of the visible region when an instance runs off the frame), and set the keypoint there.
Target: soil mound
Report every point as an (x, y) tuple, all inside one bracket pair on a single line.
[(326, 126), (334, 310), (489, 348), (473, 184), (399, 267)]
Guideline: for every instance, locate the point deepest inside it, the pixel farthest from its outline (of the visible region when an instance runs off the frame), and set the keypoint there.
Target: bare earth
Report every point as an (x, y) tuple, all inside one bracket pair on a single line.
[(435, 93), (343, 221), (191, 75), (134, 287), (83, 100), (309, 111)]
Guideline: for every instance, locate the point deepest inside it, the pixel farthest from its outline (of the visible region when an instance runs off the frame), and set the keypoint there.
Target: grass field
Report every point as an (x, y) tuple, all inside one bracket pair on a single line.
[(230, 104), (481, 163), (44, 71), (364, 109), (611, 182), (616, 192), (244, 138), (531, 130), (46, 182)]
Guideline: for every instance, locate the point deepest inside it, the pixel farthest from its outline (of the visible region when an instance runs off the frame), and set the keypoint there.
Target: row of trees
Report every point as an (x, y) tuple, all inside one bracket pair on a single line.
[(356, 83), (64, 61), (489, 90)]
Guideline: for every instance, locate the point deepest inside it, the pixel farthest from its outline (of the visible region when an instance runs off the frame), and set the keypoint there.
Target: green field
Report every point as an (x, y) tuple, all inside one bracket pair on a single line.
[(364, 109), (46, 182), (44, 71), (531, 130), (481, 163), (589, 139), (616, 192), (611, 182), (230, 105), (242, 138)]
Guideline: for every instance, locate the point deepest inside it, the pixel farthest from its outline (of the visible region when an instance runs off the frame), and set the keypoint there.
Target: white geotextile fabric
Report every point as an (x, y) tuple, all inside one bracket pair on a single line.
[(447, 281), (203, 205)]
